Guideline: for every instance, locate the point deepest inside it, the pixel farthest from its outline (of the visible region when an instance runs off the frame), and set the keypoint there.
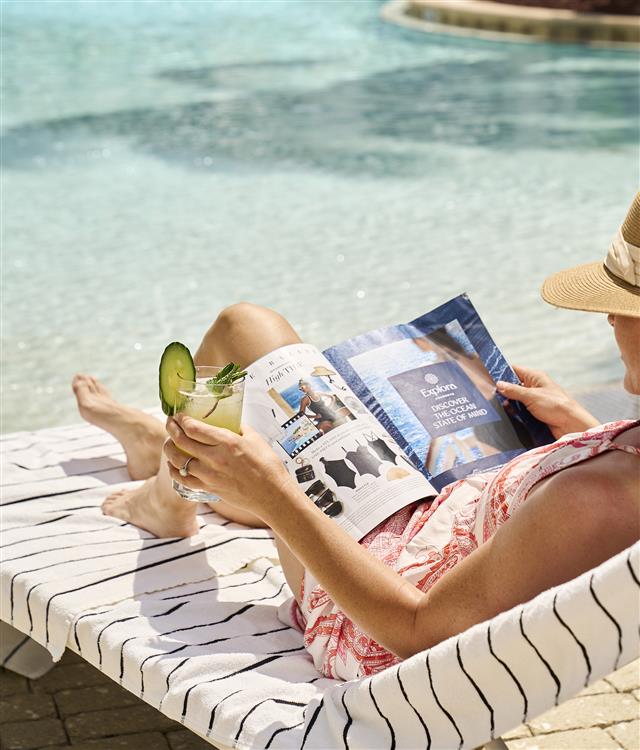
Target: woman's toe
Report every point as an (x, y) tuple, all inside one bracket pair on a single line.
[(111, 501), (79, 380)]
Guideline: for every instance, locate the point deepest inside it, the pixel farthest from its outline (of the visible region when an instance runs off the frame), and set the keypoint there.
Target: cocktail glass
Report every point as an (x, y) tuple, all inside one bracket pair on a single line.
[(217, 405)]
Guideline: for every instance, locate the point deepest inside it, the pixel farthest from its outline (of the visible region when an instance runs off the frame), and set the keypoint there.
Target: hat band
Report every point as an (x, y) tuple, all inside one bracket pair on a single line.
[(623, 260)]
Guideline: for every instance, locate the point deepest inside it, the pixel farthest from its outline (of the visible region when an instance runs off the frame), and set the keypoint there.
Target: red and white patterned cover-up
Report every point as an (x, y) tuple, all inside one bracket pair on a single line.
[(425, 540)]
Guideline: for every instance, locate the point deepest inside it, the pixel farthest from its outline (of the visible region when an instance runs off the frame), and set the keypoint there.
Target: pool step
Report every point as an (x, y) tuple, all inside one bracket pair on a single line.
[(505, 22)]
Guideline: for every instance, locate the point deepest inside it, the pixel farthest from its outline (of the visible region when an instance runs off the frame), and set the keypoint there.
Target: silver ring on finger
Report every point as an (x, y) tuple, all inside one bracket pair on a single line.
[(184, 470)]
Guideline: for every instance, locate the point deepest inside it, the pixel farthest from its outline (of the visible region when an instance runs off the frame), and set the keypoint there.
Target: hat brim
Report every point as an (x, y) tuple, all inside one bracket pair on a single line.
[(593, 288)]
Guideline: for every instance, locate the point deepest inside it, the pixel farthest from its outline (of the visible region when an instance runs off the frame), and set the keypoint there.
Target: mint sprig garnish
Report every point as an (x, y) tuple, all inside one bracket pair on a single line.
[(228, 375), (220, 384)]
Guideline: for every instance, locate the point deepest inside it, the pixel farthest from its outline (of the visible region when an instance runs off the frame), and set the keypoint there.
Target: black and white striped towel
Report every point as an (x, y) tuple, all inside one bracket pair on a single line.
[(191, 625), (59, 552)]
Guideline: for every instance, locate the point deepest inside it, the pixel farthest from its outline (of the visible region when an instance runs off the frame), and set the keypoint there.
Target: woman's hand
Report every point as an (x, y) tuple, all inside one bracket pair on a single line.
[(241, 469), (548, 402)]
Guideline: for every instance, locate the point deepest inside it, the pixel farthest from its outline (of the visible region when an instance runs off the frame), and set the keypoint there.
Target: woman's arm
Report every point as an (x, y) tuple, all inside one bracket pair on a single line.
[(383, 604), (389, 608)]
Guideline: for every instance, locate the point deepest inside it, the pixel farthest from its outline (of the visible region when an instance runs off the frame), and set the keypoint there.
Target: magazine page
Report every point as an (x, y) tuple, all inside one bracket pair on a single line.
[(344, 460), (431, 385)]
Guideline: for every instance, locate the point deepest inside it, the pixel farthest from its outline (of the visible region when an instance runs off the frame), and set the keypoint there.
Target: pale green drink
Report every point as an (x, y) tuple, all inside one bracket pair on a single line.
[(217, 405)]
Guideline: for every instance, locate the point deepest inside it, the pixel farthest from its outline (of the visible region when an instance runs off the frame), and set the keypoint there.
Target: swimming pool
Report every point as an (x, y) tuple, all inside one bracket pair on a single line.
[(163, 160)]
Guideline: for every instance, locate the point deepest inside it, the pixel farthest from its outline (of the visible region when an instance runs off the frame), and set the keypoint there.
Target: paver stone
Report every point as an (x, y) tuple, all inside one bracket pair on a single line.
[(28, 735), (26, 707), (627, 734), (579, 739), (590, 711), (627, 678), (95, 724), (185, 740), (515, 734), (97, 697), (144, 741), (11, 683)]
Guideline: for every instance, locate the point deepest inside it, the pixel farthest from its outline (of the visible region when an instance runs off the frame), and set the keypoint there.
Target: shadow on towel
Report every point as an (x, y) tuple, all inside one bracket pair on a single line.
[(79, 467)]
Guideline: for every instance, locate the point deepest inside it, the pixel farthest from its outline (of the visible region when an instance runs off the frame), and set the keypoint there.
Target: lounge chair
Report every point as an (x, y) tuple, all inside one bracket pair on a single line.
[(191, 625)]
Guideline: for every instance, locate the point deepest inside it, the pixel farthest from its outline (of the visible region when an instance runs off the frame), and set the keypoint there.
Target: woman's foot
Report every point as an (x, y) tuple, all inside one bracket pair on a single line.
[(141, 435), (162, 514)]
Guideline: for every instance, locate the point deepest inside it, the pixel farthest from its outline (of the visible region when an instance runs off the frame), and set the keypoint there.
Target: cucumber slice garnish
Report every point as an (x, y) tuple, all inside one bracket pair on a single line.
[(176, 364)]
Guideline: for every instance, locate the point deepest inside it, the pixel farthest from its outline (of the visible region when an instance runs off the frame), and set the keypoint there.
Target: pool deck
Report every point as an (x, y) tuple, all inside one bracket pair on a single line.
[(76, 706)]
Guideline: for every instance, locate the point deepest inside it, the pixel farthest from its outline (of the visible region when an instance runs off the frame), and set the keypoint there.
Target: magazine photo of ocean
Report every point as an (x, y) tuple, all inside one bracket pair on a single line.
[(431, 384)]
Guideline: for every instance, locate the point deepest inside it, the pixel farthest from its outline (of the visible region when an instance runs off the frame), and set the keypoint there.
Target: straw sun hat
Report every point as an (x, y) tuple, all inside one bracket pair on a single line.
[(612, 286)]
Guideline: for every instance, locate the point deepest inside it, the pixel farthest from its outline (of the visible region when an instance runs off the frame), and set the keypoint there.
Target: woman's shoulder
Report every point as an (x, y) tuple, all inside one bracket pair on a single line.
[(606, 477), (525, 470), (602, 459)]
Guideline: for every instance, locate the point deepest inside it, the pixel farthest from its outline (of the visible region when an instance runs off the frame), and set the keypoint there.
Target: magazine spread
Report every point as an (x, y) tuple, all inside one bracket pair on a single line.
[(342, 457), (389, 417)]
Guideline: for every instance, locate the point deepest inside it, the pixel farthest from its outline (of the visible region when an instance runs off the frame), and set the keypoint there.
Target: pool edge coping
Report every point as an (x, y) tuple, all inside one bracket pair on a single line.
[(502, 22)]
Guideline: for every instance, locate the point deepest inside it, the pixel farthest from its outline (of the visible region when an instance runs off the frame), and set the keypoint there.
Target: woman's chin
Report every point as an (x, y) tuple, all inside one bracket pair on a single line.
[(632, 383)]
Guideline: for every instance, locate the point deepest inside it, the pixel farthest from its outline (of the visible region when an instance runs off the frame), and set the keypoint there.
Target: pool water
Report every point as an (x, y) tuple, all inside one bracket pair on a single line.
[(163, 160)]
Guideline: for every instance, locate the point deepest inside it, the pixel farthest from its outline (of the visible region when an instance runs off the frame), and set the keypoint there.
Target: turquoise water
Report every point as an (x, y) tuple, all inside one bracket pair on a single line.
[(165, 159)]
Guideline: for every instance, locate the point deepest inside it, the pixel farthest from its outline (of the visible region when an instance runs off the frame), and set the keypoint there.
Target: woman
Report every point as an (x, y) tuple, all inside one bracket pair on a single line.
[(324, 407), (432, 570)]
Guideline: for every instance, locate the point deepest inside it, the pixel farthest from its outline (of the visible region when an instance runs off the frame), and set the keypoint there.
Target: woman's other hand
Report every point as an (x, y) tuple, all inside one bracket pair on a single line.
[(241, 469), (548, 402)]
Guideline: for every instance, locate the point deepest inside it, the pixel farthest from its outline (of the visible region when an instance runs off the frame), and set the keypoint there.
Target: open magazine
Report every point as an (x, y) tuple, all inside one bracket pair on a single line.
[(389, 417)]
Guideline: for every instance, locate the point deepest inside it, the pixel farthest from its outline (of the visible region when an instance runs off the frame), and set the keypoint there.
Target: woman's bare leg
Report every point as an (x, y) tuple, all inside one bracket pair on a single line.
[(241, 333)]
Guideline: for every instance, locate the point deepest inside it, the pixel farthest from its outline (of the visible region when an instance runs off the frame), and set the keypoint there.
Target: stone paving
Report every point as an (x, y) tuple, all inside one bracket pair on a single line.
[(75, 705), (604, 715)]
